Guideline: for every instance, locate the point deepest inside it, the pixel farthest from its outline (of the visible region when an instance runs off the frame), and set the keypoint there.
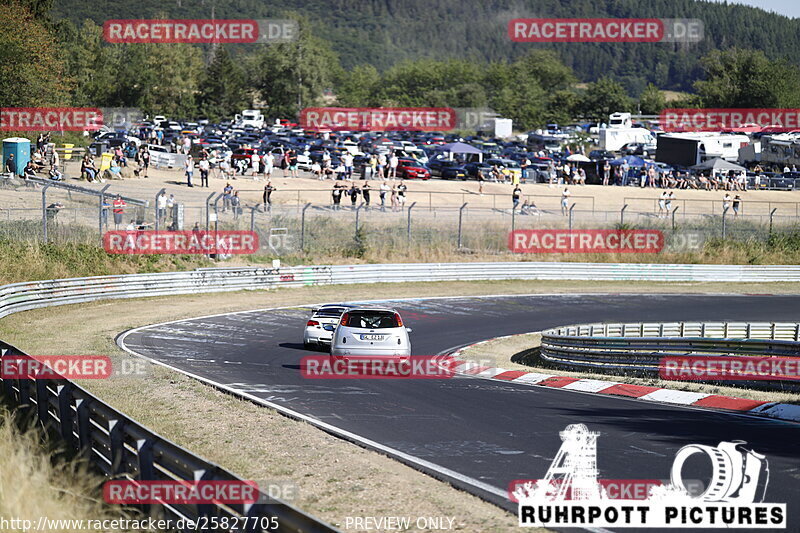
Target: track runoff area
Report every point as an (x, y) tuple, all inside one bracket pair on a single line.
[(557, 457)]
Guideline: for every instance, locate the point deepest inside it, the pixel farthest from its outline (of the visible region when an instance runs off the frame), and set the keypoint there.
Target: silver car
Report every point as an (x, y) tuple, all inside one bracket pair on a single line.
[(366, 331), (319, 328)]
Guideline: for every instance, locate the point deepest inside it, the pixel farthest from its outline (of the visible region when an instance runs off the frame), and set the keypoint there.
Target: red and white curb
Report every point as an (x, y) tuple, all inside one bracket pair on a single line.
[(781, 411)]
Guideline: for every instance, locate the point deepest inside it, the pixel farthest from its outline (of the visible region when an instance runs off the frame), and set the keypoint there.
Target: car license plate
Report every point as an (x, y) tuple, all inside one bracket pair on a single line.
[(460, 175), (371, 337)]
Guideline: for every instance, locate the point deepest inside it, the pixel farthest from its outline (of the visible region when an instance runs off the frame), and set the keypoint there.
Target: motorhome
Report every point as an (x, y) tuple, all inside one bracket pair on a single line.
[(782, 149), (620, 131), (249, 117)]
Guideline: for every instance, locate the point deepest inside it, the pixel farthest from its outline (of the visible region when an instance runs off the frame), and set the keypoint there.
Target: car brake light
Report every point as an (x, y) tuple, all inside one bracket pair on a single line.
[(345, 319), (312, 323), (398, 322)]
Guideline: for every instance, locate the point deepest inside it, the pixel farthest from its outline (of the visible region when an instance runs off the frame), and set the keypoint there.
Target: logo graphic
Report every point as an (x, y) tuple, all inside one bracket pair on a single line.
[(776, 120), (605, 30), (180, 242), (733, 499), (50, 118)]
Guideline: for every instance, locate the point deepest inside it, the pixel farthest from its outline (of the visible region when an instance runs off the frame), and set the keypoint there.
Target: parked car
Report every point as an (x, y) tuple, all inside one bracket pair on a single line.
[(601, 155), (640, 149), (447, 169), (411, 169)]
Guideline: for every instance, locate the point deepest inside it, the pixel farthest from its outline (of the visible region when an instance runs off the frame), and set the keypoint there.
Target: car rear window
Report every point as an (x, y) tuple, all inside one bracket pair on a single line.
[(328, 312), (371, 319)]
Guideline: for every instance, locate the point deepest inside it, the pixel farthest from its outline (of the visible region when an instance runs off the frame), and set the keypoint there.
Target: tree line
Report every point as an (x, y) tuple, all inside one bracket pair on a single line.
[(50, 61)]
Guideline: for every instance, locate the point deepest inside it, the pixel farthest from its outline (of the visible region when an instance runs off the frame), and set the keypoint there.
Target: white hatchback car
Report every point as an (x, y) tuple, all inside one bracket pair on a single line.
[(366, 331), (319, 328)]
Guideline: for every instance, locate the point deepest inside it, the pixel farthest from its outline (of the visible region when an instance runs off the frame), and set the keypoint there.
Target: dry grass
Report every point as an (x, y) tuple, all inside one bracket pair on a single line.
[(503, 352), (34, 486)]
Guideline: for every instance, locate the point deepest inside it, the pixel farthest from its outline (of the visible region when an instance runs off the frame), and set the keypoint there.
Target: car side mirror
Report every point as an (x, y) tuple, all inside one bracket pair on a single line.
[(409, 330)]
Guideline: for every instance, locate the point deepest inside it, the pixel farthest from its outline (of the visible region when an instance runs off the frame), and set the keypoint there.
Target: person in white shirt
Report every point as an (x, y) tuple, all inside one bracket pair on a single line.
[(189, 168), (565, 201), (205, 166), (255, 162), (269, 163), (393, 162), (347, 161), (383, 190), (162, 207)]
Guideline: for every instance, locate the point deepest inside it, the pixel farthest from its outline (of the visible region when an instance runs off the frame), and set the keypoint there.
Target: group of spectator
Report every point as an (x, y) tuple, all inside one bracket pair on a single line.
[(396, 192)]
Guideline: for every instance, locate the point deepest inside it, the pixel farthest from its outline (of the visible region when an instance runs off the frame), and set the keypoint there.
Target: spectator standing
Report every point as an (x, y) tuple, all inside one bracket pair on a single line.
[(515, 196), (668, 202), (737, 202), (144, 157), (285, 163), (204, 167), (11, 165), (662, 204), (525, 164), (393, 162), (236, 205), (189, 168), (381, 166), (119, 210), (726, 202), (269, 163), (171, 211), (365, 192), (268, 190), (565, 201), (624, 173), (347, 161), (606, 172), (401, 193), (293, 163), (255, 163), (394, 199), (227, 192), (384, 188), (336, 196), (353, 193), (161, 207)]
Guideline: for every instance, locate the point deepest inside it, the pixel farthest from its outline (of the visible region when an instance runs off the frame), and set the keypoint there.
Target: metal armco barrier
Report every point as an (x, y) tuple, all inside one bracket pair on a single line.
[(119, 445), (31, 295), (122, 448), (637, 348)]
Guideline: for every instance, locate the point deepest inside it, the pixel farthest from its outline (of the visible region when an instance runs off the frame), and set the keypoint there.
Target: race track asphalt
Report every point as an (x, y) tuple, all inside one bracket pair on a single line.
[(490, 431)]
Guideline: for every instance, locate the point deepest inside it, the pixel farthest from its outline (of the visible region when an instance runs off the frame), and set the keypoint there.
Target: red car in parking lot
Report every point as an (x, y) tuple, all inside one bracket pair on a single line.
[(411, 169)]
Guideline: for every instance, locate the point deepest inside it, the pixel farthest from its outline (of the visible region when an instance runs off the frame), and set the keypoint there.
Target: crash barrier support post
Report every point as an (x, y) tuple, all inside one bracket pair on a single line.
[(303, 226), (408, 225), (570, 216), (673, 215), (44, 212), (123, 449), (460, 219), (101, 210), (622, 214), (771, 214)]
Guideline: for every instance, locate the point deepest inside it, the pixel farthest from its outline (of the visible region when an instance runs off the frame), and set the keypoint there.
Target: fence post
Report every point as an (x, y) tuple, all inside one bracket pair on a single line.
[(303, 226), (673, 216), (208, 202), (724, 212), (100, 213), (513, 218), (408, 224), (253, 219), (622, 214), (771, 214), (44, 211), (155, 206), (358, 210), (570, 216), (460, 216)]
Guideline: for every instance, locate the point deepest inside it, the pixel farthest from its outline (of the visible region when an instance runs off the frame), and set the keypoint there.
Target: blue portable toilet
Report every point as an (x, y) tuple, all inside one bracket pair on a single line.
[(21, 148)]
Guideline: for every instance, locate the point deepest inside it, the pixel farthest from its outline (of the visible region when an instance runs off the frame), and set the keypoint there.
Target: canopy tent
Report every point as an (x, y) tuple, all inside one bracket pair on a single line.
[(459, 148), (632, 161), (718, 164), (578, 158)]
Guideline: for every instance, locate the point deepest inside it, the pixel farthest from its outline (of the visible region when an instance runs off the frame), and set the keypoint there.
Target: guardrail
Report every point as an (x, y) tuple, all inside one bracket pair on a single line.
[(31, 295), (638, 348), (117, 443), (122, 448)]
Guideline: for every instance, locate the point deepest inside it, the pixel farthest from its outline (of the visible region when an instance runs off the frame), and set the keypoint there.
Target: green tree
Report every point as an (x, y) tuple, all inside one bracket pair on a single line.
[(651, 101), (291, 76), (358, 87), (223, 88), (747, 79), (32, 72), (603, 97)]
